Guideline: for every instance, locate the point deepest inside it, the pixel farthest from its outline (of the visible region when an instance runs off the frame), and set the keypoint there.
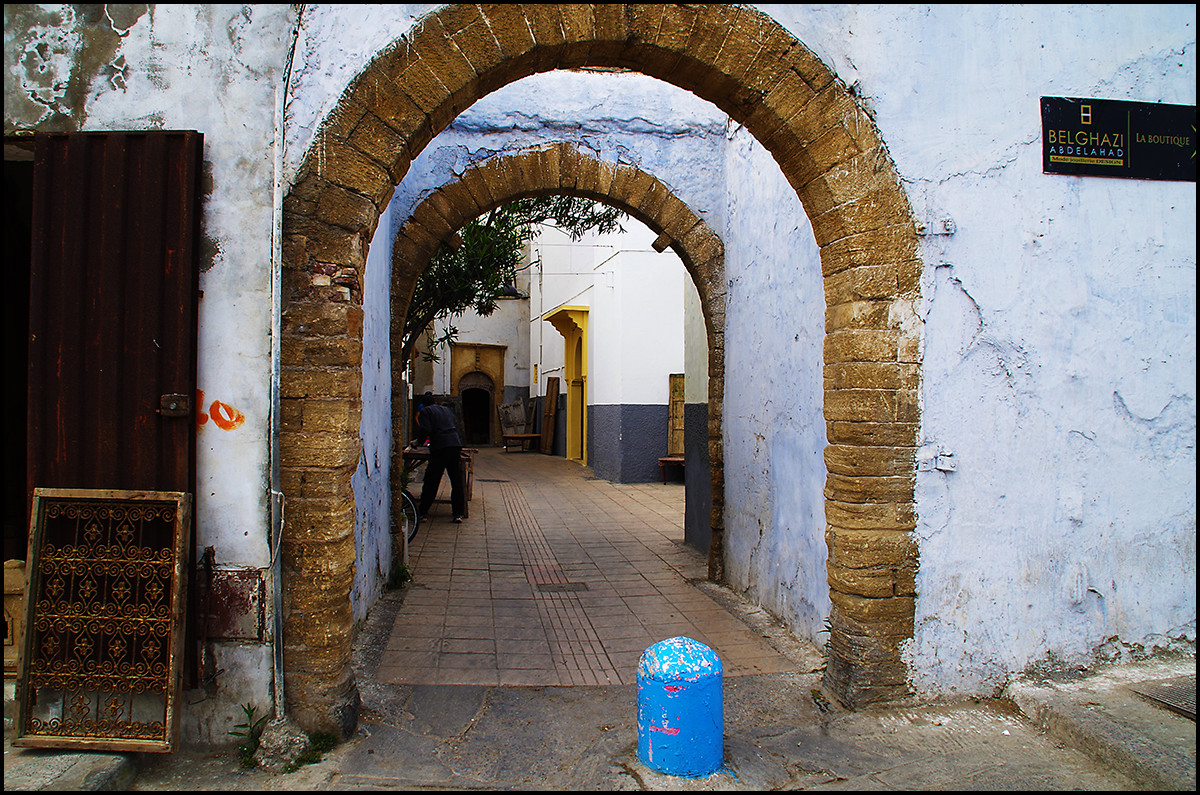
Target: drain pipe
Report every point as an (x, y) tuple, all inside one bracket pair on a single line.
[(275, 496)]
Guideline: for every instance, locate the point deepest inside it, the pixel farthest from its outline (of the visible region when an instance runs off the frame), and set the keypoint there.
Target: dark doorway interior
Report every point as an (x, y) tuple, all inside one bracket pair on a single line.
[(477, 416), (18, 204)]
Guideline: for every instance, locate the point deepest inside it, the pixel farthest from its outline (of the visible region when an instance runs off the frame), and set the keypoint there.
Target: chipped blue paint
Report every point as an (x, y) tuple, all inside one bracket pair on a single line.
[(681, 716)]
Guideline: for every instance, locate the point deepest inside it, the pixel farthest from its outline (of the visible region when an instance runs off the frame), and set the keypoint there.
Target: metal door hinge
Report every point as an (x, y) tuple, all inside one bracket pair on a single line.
[(174, 406)]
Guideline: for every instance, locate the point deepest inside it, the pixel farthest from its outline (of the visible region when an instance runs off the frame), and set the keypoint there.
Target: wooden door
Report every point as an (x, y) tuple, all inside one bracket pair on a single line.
[(112, 311), (549, 415), (111, 387), (675, 412)]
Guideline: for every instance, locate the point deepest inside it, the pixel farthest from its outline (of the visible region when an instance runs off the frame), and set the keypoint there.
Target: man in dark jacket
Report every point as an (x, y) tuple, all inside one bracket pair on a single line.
[(445, 455)]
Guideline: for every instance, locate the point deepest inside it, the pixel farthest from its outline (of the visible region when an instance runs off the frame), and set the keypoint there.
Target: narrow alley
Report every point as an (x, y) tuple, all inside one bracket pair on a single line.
[(558, 578)]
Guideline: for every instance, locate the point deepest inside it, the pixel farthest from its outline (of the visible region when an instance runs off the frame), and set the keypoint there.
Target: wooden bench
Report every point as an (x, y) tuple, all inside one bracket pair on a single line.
[(520, 440), (669, 460)]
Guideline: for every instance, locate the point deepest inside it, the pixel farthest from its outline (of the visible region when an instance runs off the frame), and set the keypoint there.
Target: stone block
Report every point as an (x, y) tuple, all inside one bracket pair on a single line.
[(873, 210), (845, 180), (870, 461), (876, 314), (347, 209), (874, 617), (474, 40), (381, 144), (462, 206), (510, 28), (322, 320), (577, 21), (845, 488), (866, 650), (870, 515), (328, 382), (314, 520), (782, 101), (425, 215), (866, 549), (350, 168), (860, 405), (860, 345), (320, 449), (862, 375), (318, 481), (875, 583), (331, 416), (477, 186), (888, 245), (421, 85), (856, 685), (705, 249)]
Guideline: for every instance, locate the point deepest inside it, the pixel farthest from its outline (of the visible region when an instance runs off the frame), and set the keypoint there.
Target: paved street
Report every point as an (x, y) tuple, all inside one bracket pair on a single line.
[(510, 663)]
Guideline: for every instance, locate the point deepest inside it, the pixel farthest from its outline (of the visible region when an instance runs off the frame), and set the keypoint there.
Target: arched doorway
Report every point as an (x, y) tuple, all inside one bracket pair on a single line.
[(478, 395), (826, 146)]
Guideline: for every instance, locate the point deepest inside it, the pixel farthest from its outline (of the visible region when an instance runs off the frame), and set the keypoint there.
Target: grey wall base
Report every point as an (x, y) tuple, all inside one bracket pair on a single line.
[(625, 442), (697, 526)]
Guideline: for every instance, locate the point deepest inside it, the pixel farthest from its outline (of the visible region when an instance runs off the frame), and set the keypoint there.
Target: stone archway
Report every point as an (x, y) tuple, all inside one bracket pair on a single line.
[(828, 149), (564, 168)]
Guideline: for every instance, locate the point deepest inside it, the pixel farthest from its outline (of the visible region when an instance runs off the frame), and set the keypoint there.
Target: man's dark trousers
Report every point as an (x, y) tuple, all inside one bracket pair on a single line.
[(448, 460)]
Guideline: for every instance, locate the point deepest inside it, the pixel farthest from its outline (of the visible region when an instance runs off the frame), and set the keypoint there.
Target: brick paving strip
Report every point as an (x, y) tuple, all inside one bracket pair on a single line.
[(578, 651)]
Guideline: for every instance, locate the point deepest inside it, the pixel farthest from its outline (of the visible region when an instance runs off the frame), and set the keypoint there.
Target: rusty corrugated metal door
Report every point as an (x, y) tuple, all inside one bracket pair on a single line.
[(112, 322)]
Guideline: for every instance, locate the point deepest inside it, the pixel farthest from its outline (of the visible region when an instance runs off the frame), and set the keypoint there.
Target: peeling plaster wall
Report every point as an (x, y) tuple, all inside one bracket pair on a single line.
[(219, 70), (1059, 357)]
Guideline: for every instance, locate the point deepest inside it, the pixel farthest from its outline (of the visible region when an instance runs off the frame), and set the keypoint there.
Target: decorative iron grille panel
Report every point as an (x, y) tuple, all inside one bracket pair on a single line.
[(101, 667)]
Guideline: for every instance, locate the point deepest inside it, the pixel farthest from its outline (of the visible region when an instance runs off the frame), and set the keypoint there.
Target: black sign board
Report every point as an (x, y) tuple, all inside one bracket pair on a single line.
[(1116, 138)]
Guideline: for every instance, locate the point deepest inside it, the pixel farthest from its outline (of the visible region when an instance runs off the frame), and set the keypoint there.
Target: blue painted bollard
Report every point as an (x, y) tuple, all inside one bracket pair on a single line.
[(681, 714)]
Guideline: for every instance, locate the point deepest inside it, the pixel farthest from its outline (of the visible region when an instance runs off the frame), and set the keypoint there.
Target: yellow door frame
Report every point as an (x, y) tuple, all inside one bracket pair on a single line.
[(571, 323)]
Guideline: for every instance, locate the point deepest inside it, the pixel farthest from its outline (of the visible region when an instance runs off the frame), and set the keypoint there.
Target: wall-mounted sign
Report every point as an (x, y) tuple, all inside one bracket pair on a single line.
[(1116, 138)]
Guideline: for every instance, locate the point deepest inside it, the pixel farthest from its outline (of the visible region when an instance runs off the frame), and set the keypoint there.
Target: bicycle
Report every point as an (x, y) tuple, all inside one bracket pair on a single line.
[(410, 519)]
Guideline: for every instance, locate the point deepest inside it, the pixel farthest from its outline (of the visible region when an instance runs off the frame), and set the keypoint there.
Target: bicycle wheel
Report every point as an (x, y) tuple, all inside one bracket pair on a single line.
[(409, 518)]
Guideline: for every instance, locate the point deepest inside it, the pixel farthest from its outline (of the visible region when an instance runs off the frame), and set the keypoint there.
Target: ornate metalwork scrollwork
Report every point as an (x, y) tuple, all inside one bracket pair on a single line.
[(101, 667)]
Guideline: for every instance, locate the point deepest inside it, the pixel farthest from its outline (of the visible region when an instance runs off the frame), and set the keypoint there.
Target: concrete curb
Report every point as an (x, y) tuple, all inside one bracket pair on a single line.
[(1100, 716), (81, 771)]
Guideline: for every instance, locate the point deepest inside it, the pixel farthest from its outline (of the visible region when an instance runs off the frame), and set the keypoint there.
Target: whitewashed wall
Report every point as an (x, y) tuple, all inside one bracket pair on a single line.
[(635, 323), (372, 496), (774, 424), (1059, 317)]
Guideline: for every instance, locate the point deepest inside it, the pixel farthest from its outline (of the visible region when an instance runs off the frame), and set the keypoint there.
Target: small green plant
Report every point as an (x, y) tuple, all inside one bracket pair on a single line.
[(398, 575), (319, 743), (251, 730)]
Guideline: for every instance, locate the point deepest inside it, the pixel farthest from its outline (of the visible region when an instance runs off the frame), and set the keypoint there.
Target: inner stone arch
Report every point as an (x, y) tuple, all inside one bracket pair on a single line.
[(829, 150), (566, 169)]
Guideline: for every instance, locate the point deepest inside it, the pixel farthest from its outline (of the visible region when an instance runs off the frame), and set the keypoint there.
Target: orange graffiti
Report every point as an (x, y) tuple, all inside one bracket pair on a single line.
[(224, 416)]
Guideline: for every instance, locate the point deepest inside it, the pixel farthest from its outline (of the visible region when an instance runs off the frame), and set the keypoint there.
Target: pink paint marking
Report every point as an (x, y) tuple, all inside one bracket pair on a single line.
[(672, 688), (663, 729)]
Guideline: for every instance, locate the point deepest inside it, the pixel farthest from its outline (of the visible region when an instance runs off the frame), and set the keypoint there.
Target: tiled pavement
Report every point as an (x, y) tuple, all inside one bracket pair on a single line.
[(557, 578)]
